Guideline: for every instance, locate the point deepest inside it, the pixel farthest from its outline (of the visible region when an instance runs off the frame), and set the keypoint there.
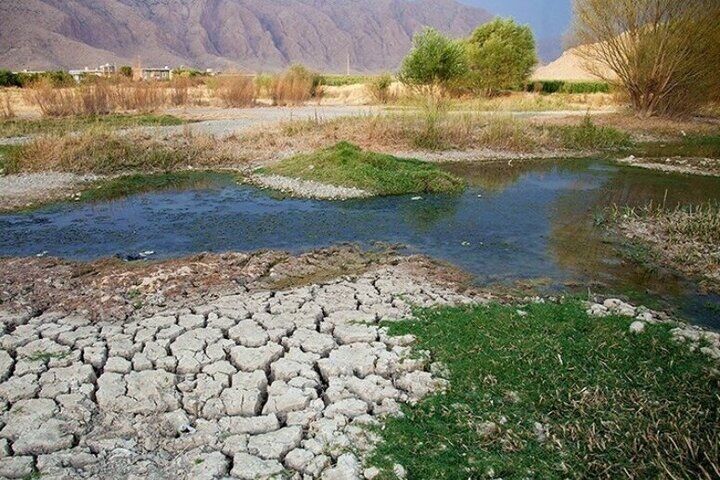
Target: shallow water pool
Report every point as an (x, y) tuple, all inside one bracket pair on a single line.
[(527, 221)]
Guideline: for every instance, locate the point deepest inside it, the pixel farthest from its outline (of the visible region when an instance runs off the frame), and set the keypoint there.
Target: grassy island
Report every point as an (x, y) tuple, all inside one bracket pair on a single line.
[(346, 165)]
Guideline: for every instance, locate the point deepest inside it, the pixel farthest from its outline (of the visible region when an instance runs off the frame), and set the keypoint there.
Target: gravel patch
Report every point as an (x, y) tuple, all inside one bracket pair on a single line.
[(239, 120), (485, 154), (22, 190), (15, 140), (307, 188)]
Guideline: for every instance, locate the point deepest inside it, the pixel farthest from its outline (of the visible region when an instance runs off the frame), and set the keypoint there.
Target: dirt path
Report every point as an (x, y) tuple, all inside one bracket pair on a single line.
[(222, 123)]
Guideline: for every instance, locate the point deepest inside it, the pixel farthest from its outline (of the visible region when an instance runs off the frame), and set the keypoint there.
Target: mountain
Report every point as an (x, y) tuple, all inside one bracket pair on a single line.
[(243, 34)]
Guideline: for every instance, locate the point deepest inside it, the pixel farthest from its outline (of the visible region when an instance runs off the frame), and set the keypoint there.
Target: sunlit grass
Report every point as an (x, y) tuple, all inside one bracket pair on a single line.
[(568, 396)]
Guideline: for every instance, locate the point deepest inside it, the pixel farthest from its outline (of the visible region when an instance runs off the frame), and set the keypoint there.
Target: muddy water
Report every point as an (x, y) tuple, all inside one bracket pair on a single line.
[(530, 222)]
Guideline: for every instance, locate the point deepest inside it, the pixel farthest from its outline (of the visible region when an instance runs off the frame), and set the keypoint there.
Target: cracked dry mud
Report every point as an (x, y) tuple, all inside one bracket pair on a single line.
[(259, 384)]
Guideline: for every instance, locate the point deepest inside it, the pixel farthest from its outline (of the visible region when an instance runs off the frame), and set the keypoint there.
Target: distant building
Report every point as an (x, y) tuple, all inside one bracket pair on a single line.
[(156, 73), (102, 71)]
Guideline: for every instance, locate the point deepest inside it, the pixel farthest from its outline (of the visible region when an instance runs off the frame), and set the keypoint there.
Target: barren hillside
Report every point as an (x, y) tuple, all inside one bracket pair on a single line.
[(249, 34)]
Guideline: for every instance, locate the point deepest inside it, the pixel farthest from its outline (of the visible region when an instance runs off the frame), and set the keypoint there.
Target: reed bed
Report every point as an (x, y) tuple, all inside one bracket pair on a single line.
[(235, 91)]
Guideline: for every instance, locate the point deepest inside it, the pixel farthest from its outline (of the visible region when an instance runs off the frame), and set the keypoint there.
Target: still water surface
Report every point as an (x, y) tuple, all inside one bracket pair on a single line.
[(524, 222)]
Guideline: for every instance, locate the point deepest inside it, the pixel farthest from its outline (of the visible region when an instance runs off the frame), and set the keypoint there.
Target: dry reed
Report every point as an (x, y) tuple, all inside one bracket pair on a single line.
[(6, 109), (296, 86), (236, 91), (103, 97)]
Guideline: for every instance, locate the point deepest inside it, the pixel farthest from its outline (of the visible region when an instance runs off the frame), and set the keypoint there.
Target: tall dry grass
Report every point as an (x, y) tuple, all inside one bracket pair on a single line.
[(102, 97), (235, 91), (103, 151), (295, 86), (380, 88), (6, 108), (180, 91), (143, 97)]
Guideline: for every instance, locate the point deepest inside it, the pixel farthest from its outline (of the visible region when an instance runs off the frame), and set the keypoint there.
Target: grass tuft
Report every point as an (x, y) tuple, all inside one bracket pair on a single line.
[(7, 156), (589, 136), (570, 396), (347, 165)]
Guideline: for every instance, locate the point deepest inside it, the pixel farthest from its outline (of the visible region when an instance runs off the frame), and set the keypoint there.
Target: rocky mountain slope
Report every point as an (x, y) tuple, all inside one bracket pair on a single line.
[(246, 34)]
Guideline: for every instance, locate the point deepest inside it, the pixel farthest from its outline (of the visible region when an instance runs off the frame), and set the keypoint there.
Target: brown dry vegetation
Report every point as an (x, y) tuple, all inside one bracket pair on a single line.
[(402, 132), (663, 53), (99, 98), (296, 86), (684, 238), (235, 91), (645, 129), (6, 107), (103, 151)]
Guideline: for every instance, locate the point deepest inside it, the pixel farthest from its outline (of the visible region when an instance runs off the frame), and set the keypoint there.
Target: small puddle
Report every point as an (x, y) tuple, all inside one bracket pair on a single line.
[(517, 221)]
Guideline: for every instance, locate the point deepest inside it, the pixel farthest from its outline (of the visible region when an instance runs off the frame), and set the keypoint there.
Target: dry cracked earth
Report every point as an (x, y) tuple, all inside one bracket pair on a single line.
[(257, 384)]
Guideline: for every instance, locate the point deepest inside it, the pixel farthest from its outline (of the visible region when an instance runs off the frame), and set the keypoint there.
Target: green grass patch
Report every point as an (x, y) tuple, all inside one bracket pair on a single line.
[(589, 136), (127, 185), (697, 146), (610, 404), (347, 165), (55, 126), (7, 162)]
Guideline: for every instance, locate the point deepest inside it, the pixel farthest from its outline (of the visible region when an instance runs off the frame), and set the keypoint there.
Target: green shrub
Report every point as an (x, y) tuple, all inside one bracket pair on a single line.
[(9, 79), (379, 88), (500, 55), (561, 86), (58, 78), (435, 61), (588, 136)]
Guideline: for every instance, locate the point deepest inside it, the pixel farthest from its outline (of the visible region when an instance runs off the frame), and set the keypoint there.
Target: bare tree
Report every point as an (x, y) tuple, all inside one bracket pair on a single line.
[(664, 53)]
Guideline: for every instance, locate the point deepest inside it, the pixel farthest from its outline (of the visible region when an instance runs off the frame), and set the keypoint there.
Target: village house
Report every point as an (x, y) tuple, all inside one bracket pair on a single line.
[(164, 73), (102, 71)]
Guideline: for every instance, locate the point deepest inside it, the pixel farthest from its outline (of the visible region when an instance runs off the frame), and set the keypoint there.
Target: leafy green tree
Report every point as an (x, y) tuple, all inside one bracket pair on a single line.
[(434, 62), (500, 54)]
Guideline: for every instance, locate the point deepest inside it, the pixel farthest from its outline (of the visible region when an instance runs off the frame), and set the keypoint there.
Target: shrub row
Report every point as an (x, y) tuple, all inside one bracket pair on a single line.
[(58, 78), (561, 86)]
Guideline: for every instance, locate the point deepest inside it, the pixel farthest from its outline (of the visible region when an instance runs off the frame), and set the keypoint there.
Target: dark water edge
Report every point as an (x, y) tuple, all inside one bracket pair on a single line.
[(522, 221)]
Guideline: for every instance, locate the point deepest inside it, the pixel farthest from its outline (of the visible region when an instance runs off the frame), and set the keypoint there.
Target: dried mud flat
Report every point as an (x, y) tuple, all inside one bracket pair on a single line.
[(249, 366)]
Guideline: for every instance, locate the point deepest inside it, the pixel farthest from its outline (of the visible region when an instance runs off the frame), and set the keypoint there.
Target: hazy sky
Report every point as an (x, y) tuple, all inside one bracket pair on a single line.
[(550, 19)]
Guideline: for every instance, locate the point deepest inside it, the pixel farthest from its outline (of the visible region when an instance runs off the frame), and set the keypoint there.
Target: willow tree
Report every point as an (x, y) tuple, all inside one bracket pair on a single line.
[(663, 53)]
